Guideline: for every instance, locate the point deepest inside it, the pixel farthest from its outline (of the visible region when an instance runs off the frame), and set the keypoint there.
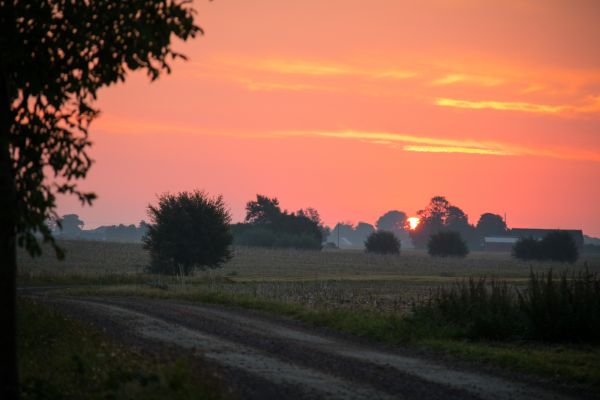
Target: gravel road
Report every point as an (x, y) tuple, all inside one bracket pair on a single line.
[(265, 356)]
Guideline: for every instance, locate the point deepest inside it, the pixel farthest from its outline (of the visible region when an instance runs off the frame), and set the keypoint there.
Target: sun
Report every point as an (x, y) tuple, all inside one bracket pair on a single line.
[(413, 222)]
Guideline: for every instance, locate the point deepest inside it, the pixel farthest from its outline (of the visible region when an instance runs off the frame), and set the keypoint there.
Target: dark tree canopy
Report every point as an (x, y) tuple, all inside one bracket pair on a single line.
[(267, 225), (187, 231), (440, 215), (447, 244), (382, 242), (554, 246), (70, 224), (54, 57), (490, 225), (392, 221)]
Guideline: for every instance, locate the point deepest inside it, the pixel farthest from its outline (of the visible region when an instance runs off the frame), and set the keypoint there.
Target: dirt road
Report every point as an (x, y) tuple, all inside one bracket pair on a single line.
[(265, 356)]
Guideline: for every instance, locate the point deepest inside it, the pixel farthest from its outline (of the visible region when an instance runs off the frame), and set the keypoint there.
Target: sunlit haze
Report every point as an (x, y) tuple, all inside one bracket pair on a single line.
[(356, 108)]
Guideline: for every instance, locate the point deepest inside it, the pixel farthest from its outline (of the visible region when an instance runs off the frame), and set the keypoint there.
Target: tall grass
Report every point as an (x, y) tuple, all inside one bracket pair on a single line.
[(558, 309)]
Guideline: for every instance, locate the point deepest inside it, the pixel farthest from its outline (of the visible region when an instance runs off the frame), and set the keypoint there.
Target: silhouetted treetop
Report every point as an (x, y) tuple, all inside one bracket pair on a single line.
[(54, 57), (393, 221), (491, 224)]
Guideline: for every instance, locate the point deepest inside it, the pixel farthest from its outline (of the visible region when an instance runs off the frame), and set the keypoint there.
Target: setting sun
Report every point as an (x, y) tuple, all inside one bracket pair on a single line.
[(413, 222)]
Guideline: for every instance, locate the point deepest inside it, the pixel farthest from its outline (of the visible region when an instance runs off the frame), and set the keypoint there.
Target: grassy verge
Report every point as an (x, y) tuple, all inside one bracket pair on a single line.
[(61, 359), (562, 363)]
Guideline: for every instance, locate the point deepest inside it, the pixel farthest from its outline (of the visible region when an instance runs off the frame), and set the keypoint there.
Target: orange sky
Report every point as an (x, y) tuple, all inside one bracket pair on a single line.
[(356, 108)]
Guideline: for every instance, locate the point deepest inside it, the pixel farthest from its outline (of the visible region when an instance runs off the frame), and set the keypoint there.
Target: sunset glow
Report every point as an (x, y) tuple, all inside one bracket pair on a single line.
[(413, 222), (356, 108)]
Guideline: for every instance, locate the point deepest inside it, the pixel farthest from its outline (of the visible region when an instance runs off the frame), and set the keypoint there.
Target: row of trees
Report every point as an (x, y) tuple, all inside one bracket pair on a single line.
[(70, 227), (267, 225), (440, 215)]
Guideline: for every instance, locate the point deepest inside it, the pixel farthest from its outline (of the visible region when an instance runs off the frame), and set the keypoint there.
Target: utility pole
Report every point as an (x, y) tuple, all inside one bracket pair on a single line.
[(338, 229)]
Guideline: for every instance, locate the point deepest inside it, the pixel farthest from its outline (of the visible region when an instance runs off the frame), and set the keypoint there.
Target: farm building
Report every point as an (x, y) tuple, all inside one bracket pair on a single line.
[(506, 242)]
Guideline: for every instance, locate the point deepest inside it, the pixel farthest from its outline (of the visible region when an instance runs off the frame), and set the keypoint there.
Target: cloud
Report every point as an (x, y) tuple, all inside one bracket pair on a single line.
[(500, 105), (455, 149), (426, 144), (452, 79)]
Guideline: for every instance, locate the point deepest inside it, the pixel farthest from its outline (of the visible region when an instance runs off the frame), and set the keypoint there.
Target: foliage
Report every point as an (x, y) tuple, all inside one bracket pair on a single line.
[(382, 242), (188, 230), (54, 58), (559, 246), (550, 309), (441, 215), (60, 358), (555, 246), (490, 225), (392, 221), (269, 226), (448, 243), (258, 236), (527, 248)]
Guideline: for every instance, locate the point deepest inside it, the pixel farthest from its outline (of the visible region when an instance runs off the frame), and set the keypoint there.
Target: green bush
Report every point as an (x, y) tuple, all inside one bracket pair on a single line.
[(447, 244), (382, 242), (566, 309)]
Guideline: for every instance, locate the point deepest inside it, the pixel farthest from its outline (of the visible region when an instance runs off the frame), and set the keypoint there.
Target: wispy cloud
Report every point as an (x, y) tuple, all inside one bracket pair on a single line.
[(500, 105), (417, 143), (323, 69), (424, 144), (455, 149), (258, 85), (452, 79)]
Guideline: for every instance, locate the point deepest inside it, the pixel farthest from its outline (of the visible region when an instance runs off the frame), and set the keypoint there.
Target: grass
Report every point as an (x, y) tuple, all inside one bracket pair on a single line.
[(61, 359), (565, 363), (361, 294)]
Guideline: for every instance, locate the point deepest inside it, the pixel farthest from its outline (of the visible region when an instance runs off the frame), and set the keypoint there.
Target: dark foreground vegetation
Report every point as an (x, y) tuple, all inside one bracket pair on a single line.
[(62, 359), (550, 309), (555, 246)]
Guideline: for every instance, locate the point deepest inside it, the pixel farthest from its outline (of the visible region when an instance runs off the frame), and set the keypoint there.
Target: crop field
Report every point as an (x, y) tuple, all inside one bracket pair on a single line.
[(330, 279)]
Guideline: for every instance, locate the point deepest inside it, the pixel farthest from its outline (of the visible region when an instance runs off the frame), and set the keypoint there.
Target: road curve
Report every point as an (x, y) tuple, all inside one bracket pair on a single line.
[(279, 358)]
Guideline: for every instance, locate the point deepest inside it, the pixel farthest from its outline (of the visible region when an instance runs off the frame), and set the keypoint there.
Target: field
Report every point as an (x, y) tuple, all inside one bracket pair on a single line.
[(350, 291), (347, 279)]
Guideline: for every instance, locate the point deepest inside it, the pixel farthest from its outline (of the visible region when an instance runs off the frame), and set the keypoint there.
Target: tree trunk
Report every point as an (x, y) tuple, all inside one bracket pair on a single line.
[(9, 383)]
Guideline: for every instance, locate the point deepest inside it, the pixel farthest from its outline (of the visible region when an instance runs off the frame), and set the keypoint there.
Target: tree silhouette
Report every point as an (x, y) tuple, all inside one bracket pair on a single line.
[(70, 224), (447, 244), (187, 231), (490, 224), (382, 242), (392, 221), (54, 57)]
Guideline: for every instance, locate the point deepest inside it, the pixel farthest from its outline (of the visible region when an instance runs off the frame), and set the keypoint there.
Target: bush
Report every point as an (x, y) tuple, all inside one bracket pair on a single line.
[(550, 309), (382, 242), (188, 230), (260, 236), (527, 249), (445, 244), (559, 246), (555, 246)]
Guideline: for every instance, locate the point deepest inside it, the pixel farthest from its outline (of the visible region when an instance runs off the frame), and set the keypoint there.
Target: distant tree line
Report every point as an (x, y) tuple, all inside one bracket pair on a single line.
[(70, 227), (267, 225)]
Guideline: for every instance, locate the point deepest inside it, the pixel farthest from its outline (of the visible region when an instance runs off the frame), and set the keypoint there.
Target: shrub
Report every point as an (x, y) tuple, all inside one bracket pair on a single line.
[(448, 243), (527, 249), (188, 230), (555, 246), (382, 242), (559, 246), (566, 309)]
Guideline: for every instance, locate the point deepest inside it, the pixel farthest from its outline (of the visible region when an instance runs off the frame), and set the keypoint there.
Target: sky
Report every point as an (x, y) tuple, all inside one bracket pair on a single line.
[(356, 108)]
